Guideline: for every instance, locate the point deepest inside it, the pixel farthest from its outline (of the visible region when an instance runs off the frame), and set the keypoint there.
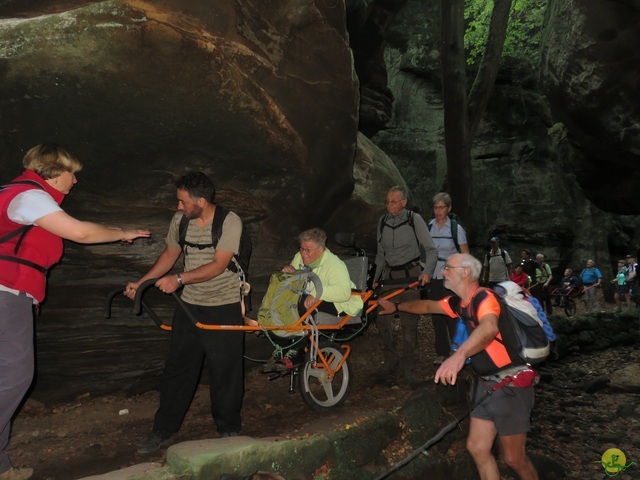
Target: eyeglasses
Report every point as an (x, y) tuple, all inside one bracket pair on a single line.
[(307, 250), (439, 207), (451, 267)]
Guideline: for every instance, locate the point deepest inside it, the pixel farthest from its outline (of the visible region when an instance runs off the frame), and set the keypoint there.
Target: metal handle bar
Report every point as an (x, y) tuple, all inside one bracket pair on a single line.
[(374, 303), (139, 305)]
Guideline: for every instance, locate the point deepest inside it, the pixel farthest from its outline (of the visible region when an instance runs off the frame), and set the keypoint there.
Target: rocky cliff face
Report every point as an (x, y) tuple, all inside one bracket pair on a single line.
[(590, 74), (268, 100), (262, 97), (538, 183)]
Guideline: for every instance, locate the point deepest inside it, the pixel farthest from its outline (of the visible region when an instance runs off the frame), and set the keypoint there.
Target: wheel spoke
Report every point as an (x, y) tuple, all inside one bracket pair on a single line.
[(327, 386), (317, 372)]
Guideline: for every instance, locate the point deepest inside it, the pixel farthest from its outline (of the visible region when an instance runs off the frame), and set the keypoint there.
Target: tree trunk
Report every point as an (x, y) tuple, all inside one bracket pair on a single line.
[(454, 86), (489, 65)]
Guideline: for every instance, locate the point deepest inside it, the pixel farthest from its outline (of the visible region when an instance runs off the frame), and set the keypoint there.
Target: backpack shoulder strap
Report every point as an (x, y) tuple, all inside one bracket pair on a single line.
[(454, 233), (382, 224), (22, 231), (24, 182), (216, 225), (415, 234), (182, 231)]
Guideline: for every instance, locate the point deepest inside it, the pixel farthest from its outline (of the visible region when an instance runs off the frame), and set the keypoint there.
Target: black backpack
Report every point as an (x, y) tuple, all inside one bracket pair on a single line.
[(455, 221), (409, 220), (244, 255)]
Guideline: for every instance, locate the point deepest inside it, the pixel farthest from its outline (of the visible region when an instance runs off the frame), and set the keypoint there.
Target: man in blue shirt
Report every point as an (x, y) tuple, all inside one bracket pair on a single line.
[(591, 278)]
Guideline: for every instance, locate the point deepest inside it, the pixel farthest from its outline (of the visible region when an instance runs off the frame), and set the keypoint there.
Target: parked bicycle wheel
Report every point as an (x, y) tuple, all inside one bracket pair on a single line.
[(569, 307), (320, 390)]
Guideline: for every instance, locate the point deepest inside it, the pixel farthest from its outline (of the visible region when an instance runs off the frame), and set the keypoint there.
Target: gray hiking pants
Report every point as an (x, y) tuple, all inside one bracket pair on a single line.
[(408, 325), (16, 358)]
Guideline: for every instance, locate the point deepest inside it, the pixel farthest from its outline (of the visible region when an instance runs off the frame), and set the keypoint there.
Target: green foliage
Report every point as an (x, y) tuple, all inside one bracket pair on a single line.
[(523, 32)]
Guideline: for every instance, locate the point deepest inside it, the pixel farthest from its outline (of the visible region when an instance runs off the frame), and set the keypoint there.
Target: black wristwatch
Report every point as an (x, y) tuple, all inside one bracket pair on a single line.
[(397, 307)]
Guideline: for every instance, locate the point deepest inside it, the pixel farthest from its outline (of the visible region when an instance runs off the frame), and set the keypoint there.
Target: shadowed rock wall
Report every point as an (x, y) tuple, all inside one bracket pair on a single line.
[(590, 72)]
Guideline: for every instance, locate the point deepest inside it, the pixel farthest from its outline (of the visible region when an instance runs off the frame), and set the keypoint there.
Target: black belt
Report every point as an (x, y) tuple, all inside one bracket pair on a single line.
[(410, 264), (588, 284)]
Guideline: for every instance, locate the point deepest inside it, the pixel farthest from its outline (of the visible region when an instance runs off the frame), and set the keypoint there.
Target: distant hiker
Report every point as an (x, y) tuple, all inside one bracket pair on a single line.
[(449, 238), (519, 277), (542, 290), (529, 265), (32, 226), (621, 285), (497, 264), (212, 294), (632, 276), (506, 412), (569, 284), (591, 278), (406, 253)]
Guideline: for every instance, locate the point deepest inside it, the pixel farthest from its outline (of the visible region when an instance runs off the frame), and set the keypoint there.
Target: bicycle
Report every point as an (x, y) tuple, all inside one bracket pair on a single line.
[(567, 299)]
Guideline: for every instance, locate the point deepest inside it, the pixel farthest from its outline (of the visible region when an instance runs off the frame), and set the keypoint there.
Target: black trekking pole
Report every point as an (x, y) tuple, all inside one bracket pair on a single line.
[(442, 432)]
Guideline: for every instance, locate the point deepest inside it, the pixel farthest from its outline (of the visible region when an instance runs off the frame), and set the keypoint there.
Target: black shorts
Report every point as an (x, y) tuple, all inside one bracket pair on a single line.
[(509, 408), (622, 289)]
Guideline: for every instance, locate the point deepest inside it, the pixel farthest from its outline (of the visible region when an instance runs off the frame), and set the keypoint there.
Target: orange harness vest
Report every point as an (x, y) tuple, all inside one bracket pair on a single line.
[(495, 356)]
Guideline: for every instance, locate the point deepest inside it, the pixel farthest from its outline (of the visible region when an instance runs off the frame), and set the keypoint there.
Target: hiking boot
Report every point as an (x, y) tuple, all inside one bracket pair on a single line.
[(17, 474), (283, 365), (229, 434), (154, 441)]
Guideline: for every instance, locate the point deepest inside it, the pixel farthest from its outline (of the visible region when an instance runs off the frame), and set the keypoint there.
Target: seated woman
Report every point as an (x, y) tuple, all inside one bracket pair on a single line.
[(336, 295), (569, 283), (334, 276)]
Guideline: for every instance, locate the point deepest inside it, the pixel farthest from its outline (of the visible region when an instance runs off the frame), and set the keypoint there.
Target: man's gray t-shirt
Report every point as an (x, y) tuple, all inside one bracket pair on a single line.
[(223, 289), (498, 267)]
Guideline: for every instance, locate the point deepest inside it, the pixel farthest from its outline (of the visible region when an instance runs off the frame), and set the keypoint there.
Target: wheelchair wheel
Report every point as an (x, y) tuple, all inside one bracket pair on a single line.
[(569, 307), (319, 390)]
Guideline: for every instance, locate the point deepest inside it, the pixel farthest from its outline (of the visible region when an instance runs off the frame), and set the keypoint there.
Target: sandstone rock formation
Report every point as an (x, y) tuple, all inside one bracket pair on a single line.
[(262, 97), (536, 182), (590, 74)]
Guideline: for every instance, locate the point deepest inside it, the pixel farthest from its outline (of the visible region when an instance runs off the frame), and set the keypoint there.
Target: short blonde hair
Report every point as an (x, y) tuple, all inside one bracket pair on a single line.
[(50, 160)]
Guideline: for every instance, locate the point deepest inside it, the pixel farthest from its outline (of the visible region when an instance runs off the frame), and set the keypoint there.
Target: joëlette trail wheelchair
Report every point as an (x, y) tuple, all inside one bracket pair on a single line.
[(324, 375), (566, 299)]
